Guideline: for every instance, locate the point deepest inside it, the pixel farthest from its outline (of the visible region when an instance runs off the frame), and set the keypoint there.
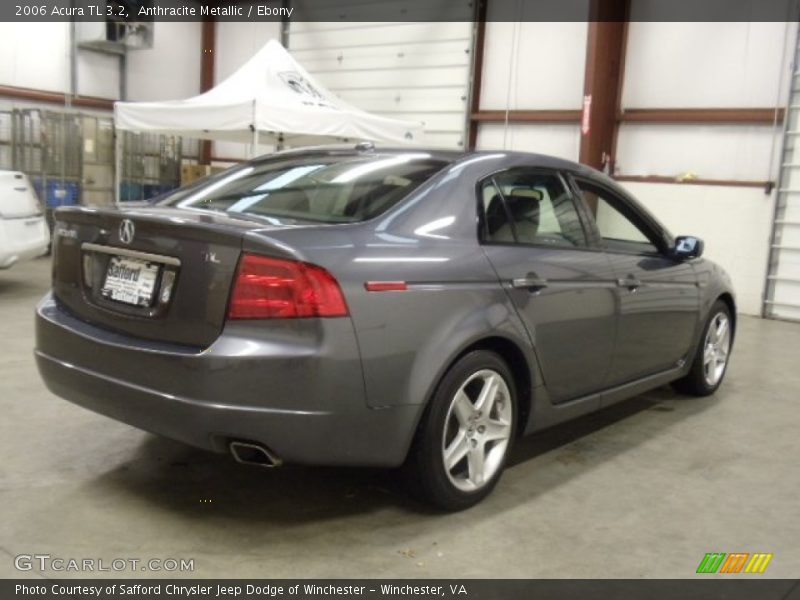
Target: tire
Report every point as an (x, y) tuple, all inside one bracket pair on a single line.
[(457, 421), (714, 346)]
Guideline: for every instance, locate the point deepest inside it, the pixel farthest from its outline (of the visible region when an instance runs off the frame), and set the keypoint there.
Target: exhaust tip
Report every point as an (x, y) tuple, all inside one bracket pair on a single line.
[(249, 453)]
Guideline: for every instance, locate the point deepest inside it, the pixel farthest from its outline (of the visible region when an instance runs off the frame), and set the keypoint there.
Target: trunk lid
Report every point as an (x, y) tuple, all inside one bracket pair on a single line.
[(156, 273)]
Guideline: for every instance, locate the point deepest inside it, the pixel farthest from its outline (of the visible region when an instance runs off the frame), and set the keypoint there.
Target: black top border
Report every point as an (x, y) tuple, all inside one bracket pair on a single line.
[(399, 11)]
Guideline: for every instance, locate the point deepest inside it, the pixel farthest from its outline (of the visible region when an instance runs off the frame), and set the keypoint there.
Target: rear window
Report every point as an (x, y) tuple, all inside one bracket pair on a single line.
[(322, 189)]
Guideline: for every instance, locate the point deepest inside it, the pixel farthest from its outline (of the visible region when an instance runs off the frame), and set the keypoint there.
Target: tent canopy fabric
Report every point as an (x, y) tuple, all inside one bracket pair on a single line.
[(273, 95)]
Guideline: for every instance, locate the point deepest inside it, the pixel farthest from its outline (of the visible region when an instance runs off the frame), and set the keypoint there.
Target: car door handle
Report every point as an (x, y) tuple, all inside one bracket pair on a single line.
[(630, 282), (531, 282)]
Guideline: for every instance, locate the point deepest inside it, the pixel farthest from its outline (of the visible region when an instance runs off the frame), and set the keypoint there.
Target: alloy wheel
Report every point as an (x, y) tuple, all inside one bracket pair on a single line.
[(477, 430), (716, 348)]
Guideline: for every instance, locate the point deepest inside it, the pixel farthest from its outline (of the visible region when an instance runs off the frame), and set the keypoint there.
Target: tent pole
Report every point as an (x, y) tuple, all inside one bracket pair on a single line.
[(255, 132), (117, 165)]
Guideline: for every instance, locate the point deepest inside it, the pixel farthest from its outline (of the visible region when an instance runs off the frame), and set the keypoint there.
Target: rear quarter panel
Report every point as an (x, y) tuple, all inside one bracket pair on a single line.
[(407, 339)]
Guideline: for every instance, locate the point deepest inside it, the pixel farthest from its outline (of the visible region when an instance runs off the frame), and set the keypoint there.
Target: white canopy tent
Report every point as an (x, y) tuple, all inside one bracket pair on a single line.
[(271, 98)]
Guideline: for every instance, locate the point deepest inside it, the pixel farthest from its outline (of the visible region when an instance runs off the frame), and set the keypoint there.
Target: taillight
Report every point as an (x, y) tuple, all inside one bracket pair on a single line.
[(272, 288)]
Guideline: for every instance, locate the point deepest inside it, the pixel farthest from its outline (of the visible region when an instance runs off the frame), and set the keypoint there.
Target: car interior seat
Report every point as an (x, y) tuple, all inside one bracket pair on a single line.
[(523, 206), (497, 225)]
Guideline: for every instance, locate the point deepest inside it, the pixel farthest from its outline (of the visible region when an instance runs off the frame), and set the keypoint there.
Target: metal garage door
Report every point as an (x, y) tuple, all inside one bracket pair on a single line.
[(417, 71), (783, 281)]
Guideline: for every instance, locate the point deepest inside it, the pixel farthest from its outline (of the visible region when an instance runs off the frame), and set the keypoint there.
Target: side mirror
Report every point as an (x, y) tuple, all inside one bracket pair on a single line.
[(687, 246)]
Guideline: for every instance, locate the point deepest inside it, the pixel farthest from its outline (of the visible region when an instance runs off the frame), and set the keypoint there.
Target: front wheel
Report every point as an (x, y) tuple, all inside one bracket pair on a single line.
[(711, 359), (463, 441)]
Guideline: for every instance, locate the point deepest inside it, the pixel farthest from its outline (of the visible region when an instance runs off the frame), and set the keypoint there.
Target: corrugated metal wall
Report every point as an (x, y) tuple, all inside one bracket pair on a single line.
[(417, 71)]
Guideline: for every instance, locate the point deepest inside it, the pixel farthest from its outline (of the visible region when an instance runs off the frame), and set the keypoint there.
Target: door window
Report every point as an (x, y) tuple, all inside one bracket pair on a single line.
[(619, 227), (530, 207)]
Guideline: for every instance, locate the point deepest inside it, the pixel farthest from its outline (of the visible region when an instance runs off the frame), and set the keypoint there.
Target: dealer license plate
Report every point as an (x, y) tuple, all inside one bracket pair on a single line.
[(130, 281)]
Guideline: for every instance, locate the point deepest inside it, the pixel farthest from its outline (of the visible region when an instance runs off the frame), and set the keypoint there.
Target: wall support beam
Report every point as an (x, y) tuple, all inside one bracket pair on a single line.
[(18, 93), (691, 181), (477, 73), (605, 49), (527, 116), (675, 116), (755, 116), (208, 43)]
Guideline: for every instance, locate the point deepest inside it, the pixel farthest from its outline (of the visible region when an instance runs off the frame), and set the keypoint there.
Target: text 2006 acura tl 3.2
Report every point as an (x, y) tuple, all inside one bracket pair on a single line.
[(375, 307)]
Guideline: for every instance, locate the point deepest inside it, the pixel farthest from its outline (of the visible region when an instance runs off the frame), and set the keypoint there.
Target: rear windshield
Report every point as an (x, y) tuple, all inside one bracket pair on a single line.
[(323, 189)]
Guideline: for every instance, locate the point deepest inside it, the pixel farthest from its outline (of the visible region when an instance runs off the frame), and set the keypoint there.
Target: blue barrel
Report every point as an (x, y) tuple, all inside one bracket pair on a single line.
[(62, 193), (129, 191), (151, 191), (37, 186)]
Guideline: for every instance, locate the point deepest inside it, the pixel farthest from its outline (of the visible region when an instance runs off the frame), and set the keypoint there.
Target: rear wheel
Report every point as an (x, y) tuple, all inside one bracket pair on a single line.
[(463, 441), (711, 359)]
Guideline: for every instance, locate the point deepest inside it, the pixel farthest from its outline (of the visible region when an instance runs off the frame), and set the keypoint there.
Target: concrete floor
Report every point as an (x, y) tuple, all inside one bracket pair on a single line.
[(644, 489)]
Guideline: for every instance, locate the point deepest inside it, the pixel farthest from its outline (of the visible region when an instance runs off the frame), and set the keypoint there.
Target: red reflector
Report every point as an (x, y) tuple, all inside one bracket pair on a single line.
[(272, 288), (386, 286)]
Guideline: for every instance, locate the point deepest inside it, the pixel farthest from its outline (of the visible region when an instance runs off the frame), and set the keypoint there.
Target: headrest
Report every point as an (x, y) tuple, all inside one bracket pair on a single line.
[(526, 193)]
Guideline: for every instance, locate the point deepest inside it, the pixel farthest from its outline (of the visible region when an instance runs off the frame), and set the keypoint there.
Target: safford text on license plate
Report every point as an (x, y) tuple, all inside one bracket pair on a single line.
[(130, 281)]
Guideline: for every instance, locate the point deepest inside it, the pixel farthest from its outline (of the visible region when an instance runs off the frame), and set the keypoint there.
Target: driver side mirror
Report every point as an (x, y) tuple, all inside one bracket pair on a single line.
[(687, 246)]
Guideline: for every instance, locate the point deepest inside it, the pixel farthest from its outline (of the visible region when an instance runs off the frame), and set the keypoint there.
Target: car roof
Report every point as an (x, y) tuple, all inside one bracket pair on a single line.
[(450, 156)]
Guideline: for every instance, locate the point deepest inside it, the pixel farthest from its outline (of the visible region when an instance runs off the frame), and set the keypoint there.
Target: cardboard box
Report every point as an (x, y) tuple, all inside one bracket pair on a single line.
[(191, 173)]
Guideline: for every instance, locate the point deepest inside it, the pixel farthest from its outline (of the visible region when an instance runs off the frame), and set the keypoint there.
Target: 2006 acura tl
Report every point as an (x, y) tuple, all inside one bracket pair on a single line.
[(373, 307)]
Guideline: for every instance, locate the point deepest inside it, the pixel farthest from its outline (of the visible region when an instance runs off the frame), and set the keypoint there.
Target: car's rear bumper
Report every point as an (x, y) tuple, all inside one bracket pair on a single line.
[(306, 407), (22, 239)]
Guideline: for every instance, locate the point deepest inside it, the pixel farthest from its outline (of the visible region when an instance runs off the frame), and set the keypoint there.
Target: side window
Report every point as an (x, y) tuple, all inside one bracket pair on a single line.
[(529, 207), (620, 231)]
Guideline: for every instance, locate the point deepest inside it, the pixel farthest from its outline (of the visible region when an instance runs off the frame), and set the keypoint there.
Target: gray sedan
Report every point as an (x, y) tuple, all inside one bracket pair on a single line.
[(354, 306)]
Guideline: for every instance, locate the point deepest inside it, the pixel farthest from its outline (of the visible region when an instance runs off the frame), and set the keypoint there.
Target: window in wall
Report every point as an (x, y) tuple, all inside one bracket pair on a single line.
[(530, 207)]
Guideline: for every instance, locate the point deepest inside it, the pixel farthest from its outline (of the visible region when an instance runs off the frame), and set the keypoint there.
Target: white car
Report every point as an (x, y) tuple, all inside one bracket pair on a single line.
[(23, 230)]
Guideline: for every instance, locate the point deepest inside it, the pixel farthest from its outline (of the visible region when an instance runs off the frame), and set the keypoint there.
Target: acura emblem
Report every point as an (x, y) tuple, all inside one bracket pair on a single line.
[(126, 231)]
